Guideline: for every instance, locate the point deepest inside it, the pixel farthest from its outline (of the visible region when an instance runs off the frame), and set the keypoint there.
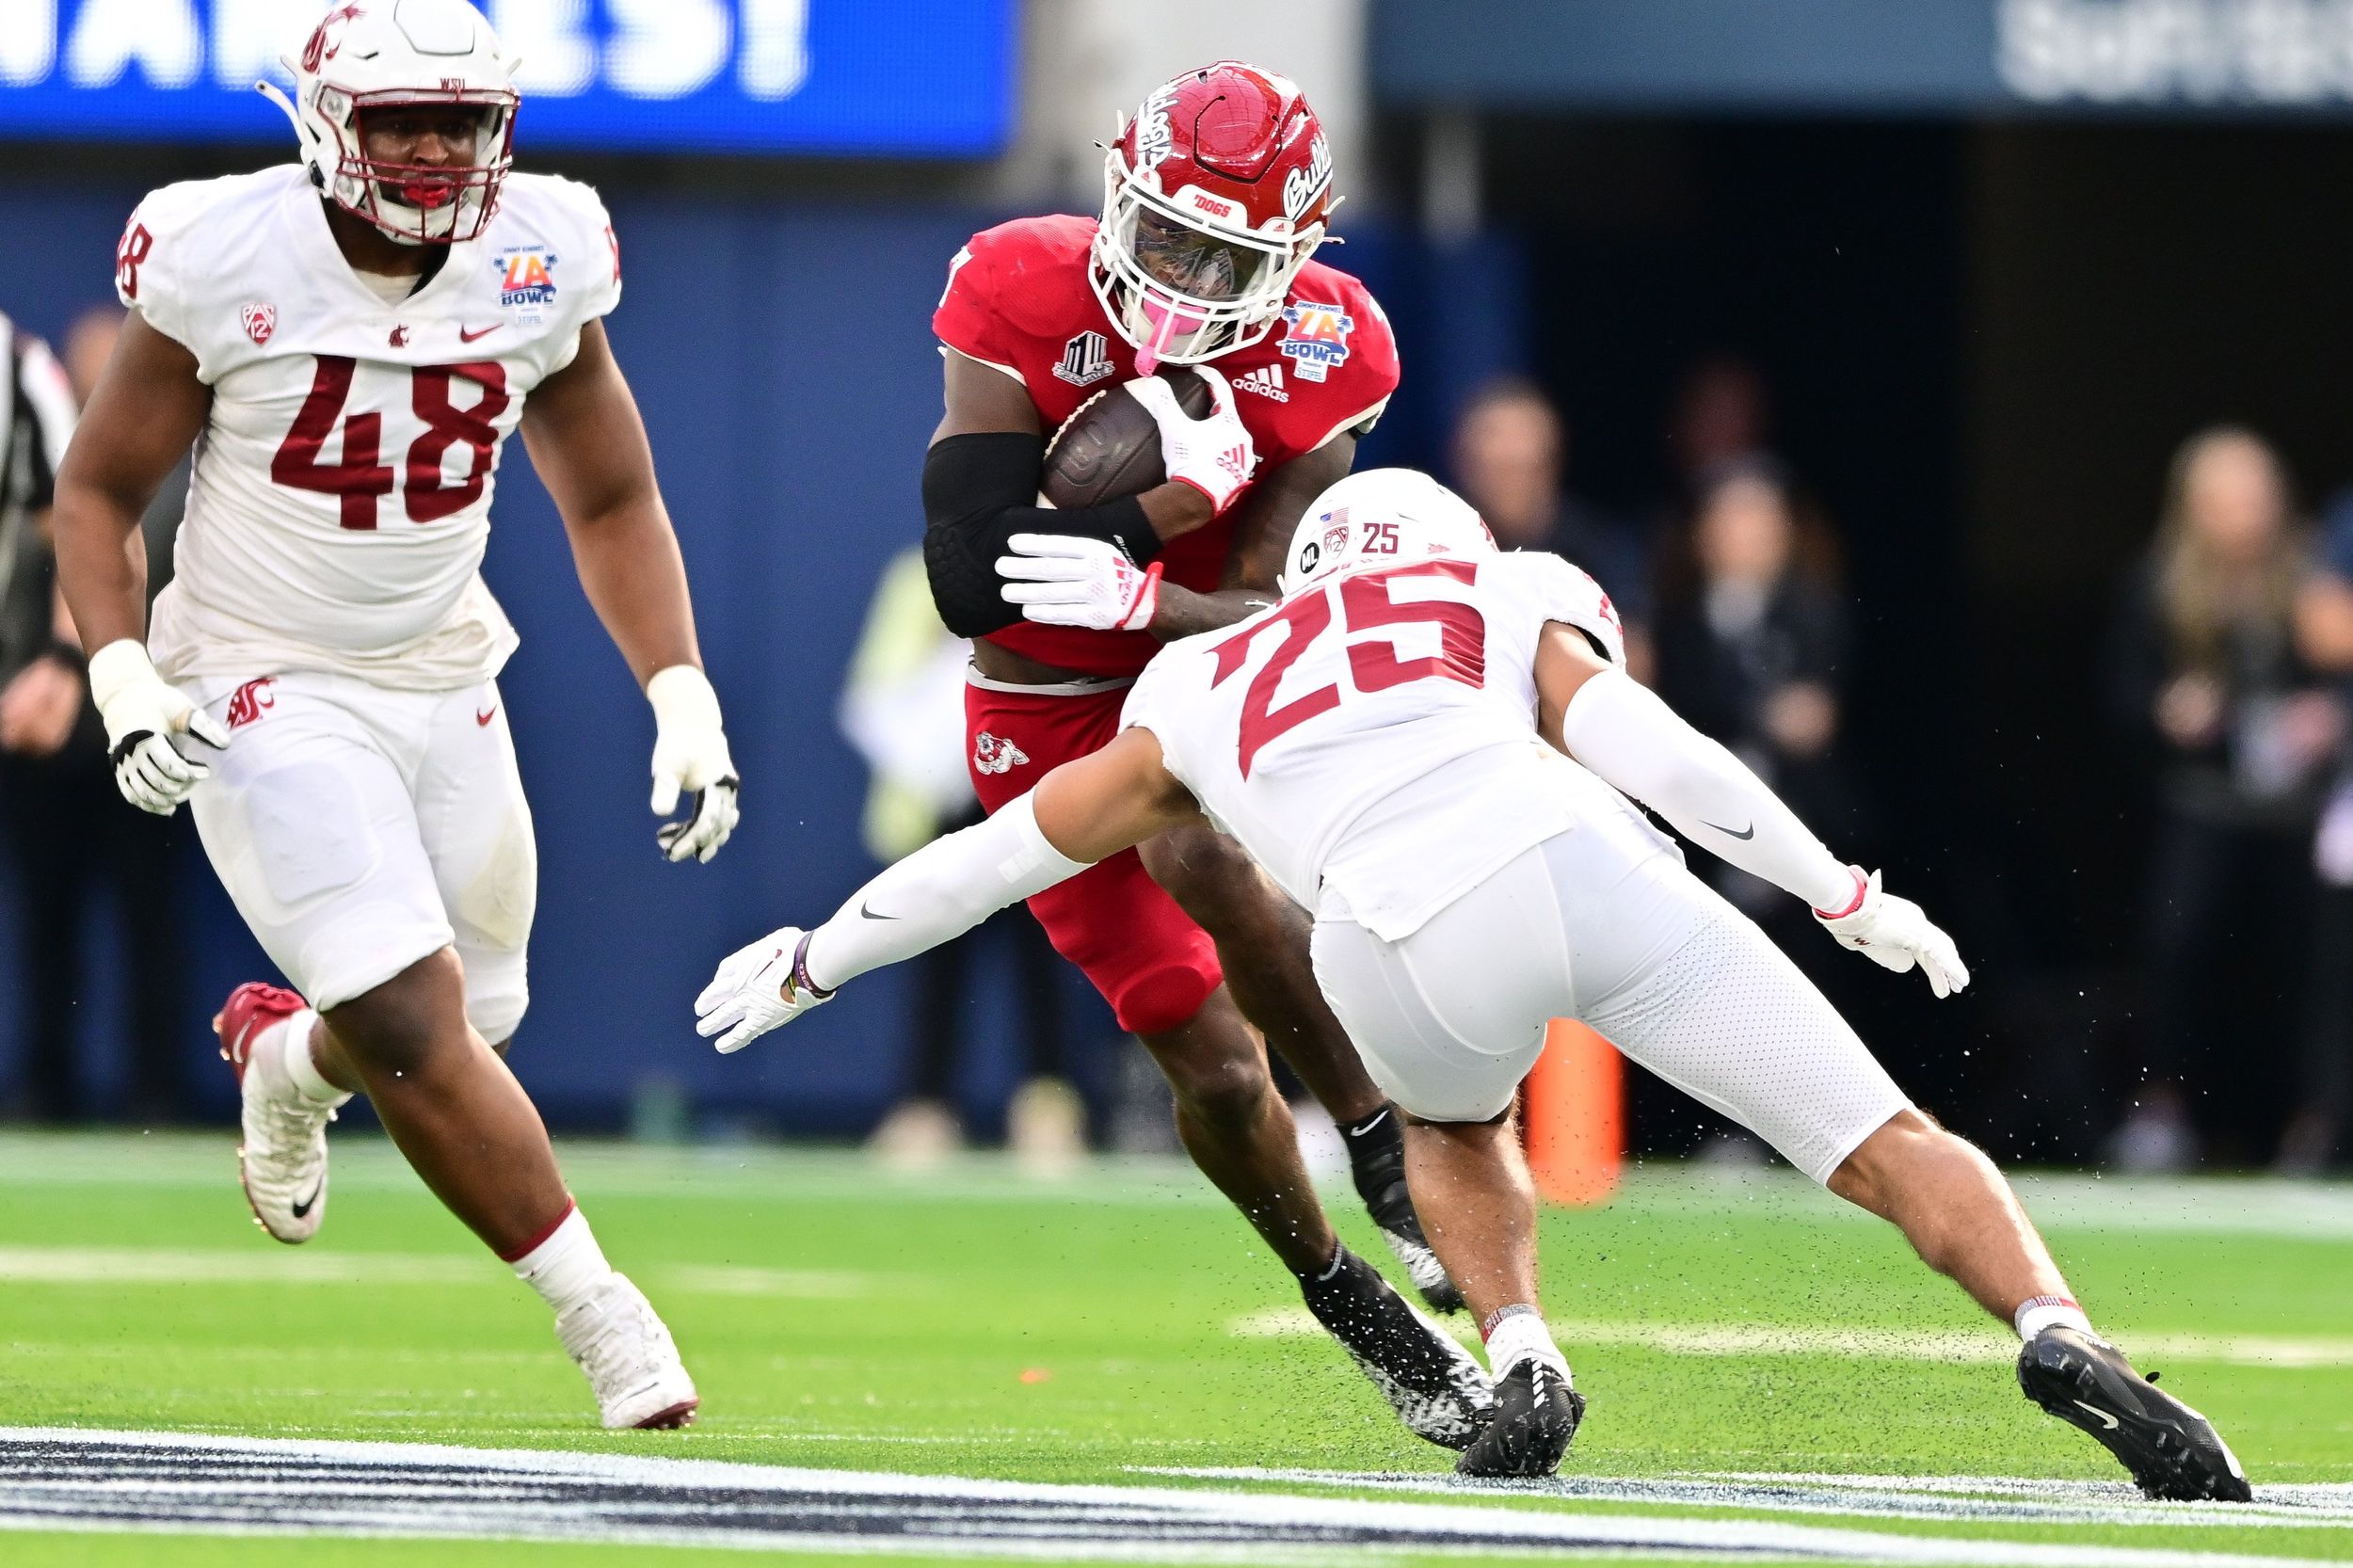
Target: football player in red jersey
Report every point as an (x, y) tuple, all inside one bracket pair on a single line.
[(1216, 198)]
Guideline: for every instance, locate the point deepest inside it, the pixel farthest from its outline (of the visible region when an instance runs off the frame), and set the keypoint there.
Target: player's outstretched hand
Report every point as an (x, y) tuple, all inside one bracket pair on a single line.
[(1068, 580), (1213, 454), (758, 989), (1895, 934), (690, 757), (142, 712)]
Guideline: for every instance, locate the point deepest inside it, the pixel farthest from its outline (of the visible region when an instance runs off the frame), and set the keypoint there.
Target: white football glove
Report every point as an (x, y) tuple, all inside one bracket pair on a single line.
[(1069, 580), (758, 989), (1213, 454), (690, 756), (1895, 934), (142, 712)]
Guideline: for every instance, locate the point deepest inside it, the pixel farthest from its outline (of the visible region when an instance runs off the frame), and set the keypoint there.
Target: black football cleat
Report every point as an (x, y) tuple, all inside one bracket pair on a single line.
[(1437, 1388), (1376, 1156), (1536, 1415), (2172, 1451)]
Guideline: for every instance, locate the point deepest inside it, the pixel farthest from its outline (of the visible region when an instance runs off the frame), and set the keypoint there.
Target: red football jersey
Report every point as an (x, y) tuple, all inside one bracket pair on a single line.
[(1020, 298)]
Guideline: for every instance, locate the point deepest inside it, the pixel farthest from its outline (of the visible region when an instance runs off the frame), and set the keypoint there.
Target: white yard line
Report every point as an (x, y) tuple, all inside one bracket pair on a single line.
[(1989, 1345), (169, 1482)]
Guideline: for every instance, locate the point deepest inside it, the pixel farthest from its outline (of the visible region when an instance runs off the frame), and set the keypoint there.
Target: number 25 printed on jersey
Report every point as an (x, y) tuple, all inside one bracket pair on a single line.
[(1366, 602)]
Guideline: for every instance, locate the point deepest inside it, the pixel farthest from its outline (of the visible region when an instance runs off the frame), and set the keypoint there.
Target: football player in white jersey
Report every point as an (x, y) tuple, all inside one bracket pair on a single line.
[(348, 341), (1424, 743)]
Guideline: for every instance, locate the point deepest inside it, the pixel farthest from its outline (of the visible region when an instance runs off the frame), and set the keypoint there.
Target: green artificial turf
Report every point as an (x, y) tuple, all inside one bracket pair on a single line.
[(975, 1323)]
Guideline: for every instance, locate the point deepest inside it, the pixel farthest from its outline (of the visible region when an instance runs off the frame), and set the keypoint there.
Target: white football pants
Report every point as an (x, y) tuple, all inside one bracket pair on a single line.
[(360, 829), (1604, 925)]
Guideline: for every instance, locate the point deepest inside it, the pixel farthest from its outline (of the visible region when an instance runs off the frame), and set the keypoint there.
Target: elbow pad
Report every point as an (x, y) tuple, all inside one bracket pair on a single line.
[(980, 489)]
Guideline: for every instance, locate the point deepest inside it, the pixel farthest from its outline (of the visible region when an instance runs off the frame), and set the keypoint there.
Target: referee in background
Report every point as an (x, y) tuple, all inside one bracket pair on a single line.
[(68, 834)]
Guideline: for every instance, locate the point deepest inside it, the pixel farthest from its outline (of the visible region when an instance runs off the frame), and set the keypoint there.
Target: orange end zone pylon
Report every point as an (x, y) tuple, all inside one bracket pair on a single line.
[(1576, 1115)]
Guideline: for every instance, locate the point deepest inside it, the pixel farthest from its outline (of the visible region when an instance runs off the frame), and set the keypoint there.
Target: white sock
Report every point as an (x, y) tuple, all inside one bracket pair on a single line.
[(1517, 1333), (569, 1266), (294, 1046), (2037, 1313)]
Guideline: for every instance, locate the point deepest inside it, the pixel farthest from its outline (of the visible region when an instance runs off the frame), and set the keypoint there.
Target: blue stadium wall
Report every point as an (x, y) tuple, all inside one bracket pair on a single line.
[(783, 359)]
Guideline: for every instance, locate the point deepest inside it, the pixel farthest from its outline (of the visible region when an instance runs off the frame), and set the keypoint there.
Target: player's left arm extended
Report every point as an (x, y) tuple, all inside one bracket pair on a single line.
[(583, 430), (1266, 519), (1593, 711), (1082, 813)]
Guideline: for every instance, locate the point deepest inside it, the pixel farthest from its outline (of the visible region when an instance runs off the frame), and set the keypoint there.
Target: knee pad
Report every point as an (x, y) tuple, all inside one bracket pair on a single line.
[(497, 993)]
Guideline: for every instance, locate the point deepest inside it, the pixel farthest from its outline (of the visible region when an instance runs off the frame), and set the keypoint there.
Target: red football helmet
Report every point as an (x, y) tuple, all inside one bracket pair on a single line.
[(1215, 197)]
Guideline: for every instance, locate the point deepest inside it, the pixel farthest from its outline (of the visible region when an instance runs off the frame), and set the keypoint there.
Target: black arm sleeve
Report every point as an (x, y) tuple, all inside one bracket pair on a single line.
[(980, 489)]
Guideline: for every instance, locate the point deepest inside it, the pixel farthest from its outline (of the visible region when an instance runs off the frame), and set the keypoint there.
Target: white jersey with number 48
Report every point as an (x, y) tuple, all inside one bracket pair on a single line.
[(1371, 740), (341, 497)]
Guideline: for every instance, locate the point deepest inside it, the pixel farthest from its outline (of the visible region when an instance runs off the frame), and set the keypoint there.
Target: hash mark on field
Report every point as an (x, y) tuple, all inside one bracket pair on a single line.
[(160, 1483), (1959, 1345)]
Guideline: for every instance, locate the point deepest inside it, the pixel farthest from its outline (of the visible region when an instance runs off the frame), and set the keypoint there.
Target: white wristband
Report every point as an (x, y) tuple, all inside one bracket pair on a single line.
[(116, 667), (682, 698)]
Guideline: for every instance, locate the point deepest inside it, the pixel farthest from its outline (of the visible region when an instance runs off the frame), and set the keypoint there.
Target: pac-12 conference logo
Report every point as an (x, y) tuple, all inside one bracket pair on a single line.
[(1318, 338)]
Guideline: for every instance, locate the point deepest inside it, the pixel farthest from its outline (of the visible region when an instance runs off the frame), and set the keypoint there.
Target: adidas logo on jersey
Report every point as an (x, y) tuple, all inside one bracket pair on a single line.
[(1267, 381)]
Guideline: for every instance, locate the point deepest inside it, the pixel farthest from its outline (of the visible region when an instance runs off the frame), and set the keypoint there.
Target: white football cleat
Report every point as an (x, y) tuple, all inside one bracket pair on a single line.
[(628, 1357), (282, 1160)]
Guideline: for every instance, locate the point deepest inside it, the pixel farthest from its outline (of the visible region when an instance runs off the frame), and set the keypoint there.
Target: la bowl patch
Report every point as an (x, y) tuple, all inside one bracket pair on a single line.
[(526, 281), (1317, 338)]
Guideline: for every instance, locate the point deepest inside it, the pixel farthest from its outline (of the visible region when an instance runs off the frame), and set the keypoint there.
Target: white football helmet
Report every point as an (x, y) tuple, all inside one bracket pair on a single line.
[(376, 54), (1382, 516)]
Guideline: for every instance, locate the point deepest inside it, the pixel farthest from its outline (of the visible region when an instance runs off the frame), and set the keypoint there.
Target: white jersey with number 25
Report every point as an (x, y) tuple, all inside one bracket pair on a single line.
[(1371, 740), (341, 498)]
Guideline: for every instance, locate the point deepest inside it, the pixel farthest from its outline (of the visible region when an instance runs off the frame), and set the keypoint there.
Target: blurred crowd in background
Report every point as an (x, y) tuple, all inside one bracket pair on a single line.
[(2226, 685), (1853, 384)]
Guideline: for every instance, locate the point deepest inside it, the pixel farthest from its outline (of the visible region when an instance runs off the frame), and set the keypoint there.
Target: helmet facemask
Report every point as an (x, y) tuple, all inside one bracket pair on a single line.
[(418, 204), (1182, 286)]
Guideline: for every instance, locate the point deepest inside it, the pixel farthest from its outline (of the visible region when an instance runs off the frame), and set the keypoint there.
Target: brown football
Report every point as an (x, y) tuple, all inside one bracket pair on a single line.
[(1111, 448)]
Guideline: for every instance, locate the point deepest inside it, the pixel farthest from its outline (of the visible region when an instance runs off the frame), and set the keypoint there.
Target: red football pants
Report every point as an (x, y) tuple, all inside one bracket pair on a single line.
[(1144, 954)]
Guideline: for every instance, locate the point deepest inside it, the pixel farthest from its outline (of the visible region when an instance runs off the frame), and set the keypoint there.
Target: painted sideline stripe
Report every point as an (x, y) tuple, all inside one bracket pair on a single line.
[(1977, 1499), (160, 1481), (1990, 1345)]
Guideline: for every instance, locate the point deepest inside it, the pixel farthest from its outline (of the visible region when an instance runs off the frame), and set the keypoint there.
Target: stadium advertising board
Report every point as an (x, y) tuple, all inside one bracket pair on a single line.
[(830, 78), (2169, 57)]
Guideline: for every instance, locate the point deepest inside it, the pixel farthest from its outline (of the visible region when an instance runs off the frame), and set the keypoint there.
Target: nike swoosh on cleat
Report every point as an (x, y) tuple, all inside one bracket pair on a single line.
[(1748, 832), (2110, 1421), (302, 1209)]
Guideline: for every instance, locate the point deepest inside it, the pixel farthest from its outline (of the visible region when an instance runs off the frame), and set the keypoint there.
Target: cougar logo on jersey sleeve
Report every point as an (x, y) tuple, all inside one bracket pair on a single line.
[(993, 754)]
